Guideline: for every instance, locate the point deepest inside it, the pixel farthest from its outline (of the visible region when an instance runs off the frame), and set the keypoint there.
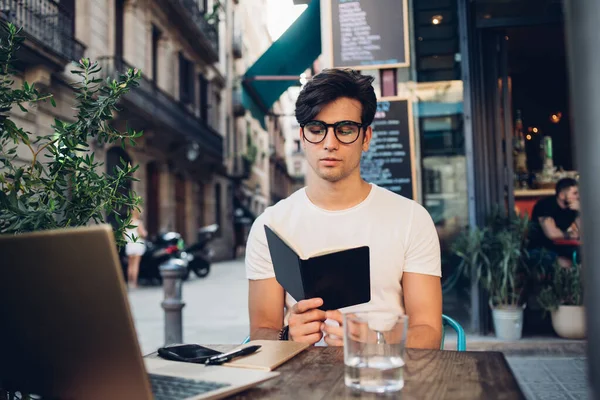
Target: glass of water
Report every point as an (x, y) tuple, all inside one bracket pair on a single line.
[(374, 344)]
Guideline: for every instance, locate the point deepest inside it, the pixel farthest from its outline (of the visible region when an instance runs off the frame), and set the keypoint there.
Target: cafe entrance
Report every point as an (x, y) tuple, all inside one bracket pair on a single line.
[(517, 93)]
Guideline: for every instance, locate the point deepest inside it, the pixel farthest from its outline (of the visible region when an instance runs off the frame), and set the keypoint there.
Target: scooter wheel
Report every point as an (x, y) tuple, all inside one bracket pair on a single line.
[(202, 272), (200, 267)]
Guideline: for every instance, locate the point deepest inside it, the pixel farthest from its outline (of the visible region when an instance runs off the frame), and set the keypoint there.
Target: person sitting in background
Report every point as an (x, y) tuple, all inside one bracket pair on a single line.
[(556, 217), (135, 249)]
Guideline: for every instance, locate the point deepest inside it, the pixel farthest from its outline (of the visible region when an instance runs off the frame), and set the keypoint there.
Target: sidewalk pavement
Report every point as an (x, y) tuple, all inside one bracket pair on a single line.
[(551, 378), (216, 308)]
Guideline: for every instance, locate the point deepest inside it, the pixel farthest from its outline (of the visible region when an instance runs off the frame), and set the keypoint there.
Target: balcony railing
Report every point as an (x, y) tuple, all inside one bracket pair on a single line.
[(165, 109), (45, 22), (210, 31)]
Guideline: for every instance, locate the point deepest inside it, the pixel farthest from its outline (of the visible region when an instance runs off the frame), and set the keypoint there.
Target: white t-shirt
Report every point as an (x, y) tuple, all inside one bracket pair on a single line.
[(399, 232)]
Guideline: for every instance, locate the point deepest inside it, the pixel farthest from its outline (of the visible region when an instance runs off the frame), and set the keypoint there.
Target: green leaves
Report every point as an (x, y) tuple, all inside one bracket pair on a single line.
[(63, 184), (564, 288), (498, 253)]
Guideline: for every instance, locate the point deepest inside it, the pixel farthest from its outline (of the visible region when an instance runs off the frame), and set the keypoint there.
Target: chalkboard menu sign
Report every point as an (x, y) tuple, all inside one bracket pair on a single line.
[(389, 163), (369, 34)]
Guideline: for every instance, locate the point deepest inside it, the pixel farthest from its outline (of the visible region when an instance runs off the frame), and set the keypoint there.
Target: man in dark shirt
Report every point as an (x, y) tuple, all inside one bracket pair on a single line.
[(556, 217)]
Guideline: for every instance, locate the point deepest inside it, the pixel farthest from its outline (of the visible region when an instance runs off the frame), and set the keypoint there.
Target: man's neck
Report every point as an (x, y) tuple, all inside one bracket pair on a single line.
[(336, 196), (561, 203)]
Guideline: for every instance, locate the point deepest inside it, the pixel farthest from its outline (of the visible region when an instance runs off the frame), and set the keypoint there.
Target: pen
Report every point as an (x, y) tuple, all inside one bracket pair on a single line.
[(223, 358)]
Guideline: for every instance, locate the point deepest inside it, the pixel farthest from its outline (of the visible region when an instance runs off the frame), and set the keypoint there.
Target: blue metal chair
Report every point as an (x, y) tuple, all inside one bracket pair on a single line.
[(461, 341)]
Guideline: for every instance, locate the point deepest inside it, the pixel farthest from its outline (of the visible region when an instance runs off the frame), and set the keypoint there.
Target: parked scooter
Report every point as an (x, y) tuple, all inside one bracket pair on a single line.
[(199, 255), (159, 249)]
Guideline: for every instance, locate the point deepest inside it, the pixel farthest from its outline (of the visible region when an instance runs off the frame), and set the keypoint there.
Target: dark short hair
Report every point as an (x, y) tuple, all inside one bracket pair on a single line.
[(331, 84), (564, 184)]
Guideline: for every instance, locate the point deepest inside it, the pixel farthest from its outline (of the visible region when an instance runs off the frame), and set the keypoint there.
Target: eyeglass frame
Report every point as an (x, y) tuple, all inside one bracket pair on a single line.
[(334, 126)]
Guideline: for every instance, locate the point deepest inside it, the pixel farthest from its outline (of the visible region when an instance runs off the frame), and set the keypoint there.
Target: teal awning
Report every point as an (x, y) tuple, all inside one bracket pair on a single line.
[(281, 65)]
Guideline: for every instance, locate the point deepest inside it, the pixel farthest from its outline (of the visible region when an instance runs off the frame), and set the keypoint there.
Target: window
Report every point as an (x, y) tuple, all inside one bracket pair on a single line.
[(202, 6), (119, 31), (227, 137), (216, 108), (156, 34), (186, 82), (69, 7), (180, 205), (152, 197), (203, 98), (229, 198), (218, 204)]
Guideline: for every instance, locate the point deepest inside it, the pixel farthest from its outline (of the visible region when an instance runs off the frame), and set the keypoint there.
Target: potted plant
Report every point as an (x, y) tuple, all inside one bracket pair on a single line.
[(63, 184), (563, 298), (498, 254)]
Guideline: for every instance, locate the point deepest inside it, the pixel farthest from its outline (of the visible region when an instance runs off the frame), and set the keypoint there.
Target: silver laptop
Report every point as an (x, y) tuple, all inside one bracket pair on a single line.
[(66, 329)]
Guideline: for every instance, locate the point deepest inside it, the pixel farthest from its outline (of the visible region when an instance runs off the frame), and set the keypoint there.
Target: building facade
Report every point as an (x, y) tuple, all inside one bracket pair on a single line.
[(50, 45), (202, 156), (279, 125), (251, 141), (296, 163), (181, 47)]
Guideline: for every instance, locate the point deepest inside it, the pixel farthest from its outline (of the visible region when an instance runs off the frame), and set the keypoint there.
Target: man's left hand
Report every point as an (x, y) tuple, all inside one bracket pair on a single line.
[(334, 335)]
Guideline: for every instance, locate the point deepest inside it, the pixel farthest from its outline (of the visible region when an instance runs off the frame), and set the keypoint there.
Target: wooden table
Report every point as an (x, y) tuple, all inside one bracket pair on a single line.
[(318, 373)]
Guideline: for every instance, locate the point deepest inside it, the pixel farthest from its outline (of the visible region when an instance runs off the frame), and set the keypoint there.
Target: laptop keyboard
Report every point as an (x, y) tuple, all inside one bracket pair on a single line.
[(174, 388)]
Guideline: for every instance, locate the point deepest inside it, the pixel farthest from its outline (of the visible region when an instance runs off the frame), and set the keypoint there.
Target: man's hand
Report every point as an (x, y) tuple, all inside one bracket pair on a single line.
[(305, 321), (574, 205), (334, 334), (573, 231)]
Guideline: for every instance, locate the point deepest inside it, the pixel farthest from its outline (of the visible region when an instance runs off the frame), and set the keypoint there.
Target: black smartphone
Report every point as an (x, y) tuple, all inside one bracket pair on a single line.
[(193, 353)]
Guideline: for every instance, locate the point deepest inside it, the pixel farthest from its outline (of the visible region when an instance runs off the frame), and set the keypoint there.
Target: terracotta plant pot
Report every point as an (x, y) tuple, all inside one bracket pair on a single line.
[(569, 322)]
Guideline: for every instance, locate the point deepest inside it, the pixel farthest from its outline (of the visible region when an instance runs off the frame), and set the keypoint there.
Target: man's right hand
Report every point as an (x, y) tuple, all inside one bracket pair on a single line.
[(305, 321), (574, 205)]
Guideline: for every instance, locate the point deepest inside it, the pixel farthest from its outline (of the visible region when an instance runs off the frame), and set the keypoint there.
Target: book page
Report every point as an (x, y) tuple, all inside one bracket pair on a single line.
[(284, 240), (329, 251)]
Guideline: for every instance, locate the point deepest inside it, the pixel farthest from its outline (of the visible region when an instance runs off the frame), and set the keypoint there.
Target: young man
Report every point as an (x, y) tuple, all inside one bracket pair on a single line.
[(556, 217), (338, 209)]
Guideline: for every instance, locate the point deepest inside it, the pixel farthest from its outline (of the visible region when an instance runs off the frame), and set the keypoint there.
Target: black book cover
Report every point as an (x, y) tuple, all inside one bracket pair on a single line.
[(341, 278)]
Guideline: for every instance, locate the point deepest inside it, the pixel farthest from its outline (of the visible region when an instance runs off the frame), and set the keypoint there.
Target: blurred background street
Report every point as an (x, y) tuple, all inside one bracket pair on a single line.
[(216, 308)]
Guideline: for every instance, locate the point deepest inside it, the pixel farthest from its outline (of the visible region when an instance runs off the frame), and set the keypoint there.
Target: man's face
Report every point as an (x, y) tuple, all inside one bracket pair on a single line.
[(330, 159), (570, 195)]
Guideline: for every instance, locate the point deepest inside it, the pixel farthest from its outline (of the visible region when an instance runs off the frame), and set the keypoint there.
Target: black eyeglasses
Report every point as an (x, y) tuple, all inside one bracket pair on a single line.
[(345, 131)]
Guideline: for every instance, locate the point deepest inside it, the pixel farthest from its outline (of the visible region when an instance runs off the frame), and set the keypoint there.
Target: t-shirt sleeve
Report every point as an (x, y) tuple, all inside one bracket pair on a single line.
[(422, 255), (258, 257), (543, 208)]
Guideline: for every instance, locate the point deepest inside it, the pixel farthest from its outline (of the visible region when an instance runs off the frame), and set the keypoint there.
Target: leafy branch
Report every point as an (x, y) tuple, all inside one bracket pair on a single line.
[(61, 184)]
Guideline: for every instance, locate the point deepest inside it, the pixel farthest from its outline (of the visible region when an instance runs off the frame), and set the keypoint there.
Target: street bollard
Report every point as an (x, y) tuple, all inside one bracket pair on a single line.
[(172, 272)]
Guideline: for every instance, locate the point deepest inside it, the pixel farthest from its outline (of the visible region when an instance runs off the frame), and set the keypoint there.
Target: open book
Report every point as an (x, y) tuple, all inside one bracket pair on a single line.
[(342, 278)]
